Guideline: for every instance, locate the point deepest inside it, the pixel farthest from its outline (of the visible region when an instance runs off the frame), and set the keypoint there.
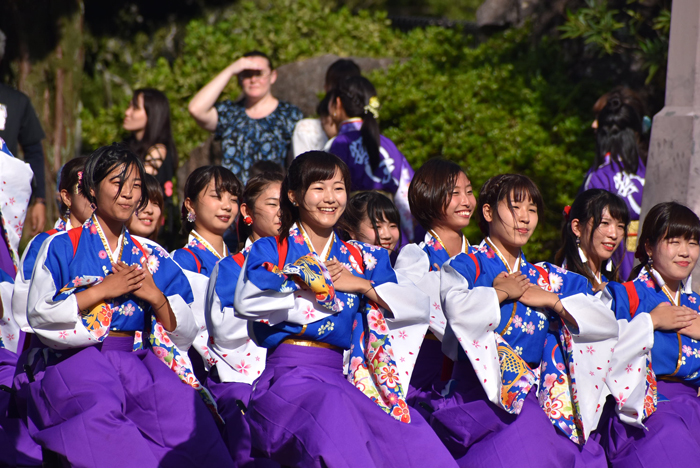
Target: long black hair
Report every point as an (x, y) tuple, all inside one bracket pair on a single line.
[(158, 129), (374, 206), (665, 221), (589, 205), (499, 188), (70, 178), (106, 159), (355, 93), (199, 179), (619, 127), (307, 168)]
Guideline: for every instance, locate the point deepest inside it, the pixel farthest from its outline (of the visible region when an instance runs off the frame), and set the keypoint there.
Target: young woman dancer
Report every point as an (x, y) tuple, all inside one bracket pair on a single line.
[(594, 227), (655, 367), (209, 209), (442, 201), (146, 222), (96, 295), (303, 411), (372, 218), (499, 310), (74, 210), (236, 360), (260, 207)]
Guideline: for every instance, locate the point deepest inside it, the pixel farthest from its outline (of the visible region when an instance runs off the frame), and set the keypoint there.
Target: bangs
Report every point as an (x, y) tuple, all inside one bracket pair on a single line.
[(323, 166), (226, 182), (618, 210), (383, 209), (523, 189), (683, 223)]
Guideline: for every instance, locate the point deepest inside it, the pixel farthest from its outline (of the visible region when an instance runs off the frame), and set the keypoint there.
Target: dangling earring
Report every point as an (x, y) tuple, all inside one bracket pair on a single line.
[(191, 216), (581, 254), (650, 262), (93, 207), (248, 220)]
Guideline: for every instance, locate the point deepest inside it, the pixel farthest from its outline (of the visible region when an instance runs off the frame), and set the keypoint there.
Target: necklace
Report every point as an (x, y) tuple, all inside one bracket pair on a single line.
[(208, 246), (675, 301), (326, 249), (503, 259), (103, 238), (465, 242)]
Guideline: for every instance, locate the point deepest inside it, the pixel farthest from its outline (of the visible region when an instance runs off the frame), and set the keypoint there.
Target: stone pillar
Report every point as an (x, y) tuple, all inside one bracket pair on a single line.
[(673, 167)]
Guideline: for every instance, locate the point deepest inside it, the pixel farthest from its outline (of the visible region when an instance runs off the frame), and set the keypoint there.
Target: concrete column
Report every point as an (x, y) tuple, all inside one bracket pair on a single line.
[(673, 166)]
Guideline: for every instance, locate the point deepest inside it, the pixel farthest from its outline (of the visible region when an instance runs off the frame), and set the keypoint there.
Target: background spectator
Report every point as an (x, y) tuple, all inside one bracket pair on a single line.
[(258, 126)]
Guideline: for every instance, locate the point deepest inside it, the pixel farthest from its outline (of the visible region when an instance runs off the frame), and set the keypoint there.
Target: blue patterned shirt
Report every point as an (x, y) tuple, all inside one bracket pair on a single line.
[(245, 141)]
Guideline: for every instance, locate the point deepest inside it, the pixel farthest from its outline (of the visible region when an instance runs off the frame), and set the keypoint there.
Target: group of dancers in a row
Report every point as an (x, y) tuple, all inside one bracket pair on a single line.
[(317, 345)]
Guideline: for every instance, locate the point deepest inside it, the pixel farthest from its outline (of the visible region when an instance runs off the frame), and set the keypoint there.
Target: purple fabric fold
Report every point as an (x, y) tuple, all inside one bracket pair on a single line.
[(111, 407), (304, 413), (672, 438), (236, 432), (479, 434)]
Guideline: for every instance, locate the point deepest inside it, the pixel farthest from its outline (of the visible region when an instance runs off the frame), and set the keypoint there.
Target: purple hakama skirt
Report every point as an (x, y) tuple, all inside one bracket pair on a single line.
[(236, 431), (480, 434), (426, 380), (672, 438), (304, 413), (16, 445), (106, 406)]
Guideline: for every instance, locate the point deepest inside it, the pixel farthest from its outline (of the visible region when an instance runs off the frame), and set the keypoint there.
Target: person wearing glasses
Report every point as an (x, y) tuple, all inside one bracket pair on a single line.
[(256, 127)]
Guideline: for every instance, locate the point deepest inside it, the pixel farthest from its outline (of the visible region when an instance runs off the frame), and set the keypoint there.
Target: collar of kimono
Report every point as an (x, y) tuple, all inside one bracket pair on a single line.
[(207, 245), (326, 250), (350, 125), (465, 241), (103, 238), (598, 277), (686, 286), (248, 242), (503, 259)]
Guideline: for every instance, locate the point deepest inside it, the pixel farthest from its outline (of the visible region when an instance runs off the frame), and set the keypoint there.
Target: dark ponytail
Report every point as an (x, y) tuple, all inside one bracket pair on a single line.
[(619, 127), (589, 205), (356, 93)]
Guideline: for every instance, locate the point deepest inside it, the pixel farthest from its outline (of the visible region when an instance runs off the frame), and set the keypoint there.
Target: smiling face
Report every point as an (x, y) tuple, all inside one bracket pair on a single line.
[(113, 205), (606, 237), (674, 258), (145, 222), (135, 118), (388, 233), (462, 203), (214, 212), (323, 203), (513, 228)]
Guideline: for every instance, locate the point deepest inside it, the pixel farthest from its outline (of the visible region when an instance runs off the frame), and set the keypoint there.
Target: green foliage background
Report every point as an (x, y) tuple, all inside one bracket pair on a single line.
[(505, 105)]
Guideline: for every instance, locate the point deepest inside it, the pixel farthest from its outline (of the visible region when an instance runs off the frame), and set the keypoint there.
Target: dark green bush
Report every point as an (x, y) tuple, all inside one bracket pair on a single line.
[(506, 105)]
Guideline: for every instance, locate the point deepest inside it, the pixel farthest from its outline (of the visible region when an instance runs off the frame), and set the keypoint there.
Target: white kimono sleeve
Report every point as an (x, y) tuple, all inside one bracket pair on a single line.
[(10, 329), (473, 316), (407, 322), (57, 323), (236, 357), (592, 346), (627, 380), (414, 264)]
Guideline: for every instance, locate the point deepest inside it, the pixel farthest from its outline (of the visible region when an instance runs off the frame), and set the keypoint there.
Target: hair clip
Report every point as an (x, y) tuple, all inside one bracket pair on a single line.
[(373, 107), (567, 212)]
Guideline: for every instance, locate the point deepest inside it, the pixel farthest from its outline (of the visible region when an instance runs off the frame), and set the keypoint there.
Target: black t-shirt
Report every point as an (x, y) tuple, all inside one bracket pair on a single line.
[(18, 120)]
